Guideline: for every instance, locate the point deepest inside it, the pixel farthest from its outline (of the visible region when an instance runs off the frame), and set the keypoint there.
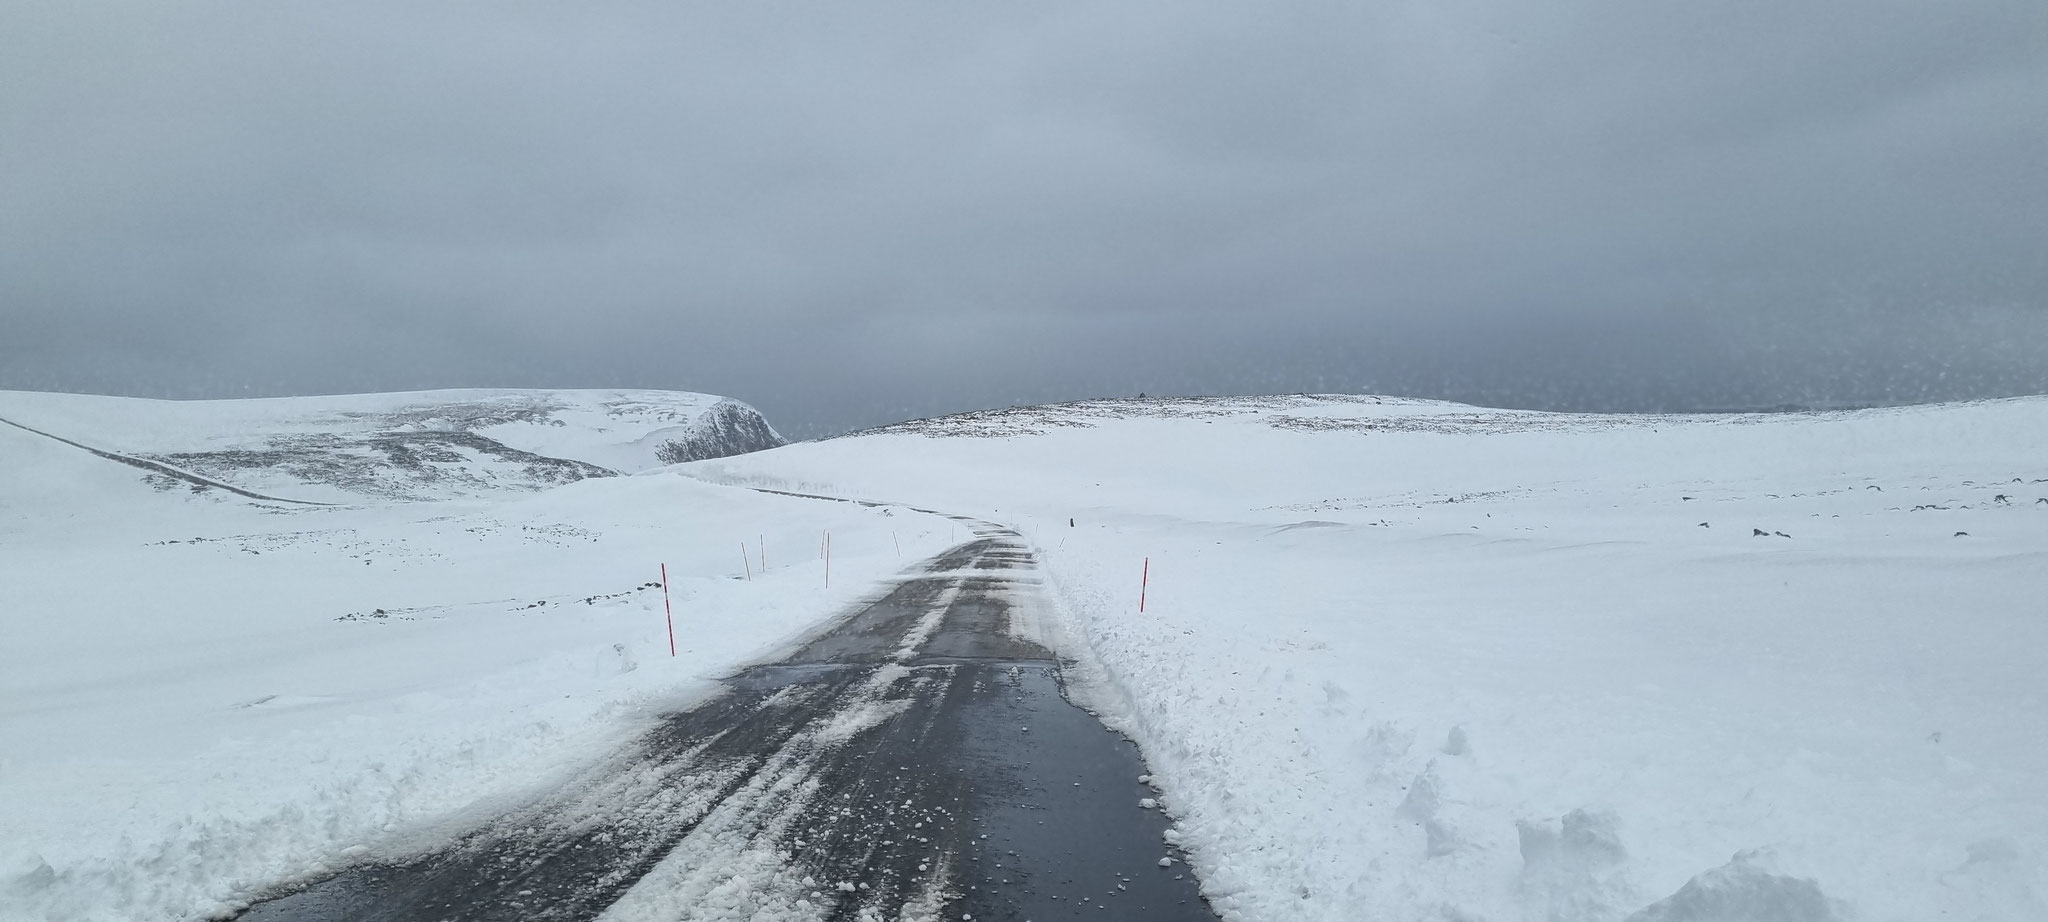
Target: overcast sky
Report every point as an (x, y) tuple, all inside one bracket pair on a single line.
[(849, 213)]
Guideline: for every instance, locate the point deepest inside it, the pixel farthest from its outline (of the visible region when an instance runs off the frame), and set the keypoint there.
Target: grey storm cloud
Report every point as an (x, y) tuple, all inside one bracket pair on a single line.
[(850, 213)]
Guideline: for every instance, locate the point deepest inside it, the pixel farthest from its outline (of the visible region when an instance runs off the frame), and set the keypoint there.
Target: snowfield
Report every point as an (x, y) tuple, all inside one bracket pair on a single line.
[(202, 696), (1415, 660), (1397, 659)]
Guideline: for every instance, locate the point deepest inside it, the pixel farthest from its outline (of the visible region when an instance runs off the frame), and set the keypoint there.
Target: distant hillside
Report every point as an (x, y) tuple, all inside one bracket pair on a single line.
[(422, 445), (1353, 412)]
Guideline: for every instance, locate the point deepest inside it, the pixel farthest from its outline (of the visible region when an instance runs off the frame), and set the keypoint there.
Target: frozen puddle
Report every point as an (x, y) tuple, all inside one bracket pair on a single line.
[(917, 761)]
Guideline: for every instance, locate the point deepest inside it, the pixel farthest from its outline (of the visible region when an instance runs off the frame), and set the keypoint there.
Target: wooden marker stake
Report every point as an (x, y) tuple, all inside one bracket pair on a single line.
[(668, 610)]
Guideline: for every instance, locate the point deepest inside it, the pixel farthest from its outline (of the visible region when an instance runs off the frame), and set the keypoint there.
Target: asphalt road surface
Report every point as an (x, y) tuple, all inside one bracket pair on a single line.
[(916, 761)]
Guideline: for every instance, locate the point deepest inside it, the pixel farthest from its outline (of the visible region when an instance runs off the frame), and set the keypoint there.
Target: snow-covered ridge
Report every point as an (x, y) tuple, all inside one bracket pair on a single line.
[(1081, 414), (1309, 412), (406, 446)]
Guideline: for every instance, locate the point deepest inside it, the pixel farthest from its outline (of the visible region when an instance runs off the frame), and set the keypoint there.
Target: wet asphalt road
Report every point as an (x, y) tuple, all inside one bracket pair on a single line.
[(916, 761)]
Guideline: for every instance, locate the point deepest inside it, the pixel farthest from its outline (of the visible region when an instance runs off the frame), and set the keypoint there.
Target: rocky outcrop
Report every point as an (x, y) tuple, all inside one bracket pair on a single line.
[(728, 428)]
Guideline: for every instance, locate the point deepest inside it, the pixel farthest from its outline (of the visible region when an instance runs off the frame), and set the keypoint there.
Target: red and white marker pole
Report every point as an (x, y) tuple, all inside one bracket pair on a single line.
[(668, 610), (828, 560), (1144, 583), (746, 563)]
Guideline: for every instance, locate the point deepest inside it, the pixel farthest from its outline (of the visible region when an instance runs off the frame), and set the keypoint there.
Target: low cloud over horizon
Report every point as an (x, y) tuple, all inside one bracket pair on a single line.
[(851, 215)]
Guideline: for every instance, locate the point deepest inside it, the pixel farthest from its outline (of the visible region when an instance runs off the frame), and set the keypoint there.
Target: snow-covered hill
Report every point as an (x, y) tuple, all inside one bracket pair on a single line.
[(204, 694), (407, 446), (1416, 660)]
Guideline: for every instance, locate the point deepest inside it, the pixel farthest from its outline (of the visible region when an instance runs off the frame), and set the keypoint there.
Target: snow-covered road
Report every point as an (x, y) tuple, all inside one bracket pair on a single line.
[(915, 760)]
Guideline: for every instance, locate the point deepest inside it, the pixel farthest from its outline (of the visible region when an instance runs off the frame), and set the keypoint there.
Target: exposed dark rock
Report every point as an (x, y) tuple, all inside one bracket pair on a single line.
[(728, 428)]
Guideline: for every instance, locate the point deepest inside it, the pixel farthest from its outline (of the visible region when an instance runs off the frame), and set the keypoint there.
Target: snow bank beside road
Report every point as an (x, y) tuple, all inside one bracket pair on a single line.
[(1416, 660), (202, 696)]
